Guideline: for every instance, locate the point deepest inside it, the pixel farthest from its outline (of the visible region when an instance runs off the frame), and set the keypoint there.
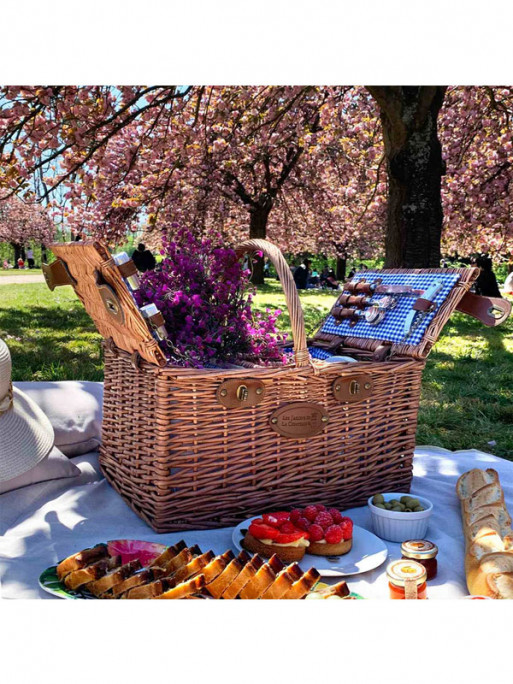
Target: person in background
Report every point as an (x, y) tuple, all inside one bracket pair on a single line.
[(486, 283), (143, 259), (30, 258), (331, 280), (6, 265), (301, 274), (313, 280), (21, 263)]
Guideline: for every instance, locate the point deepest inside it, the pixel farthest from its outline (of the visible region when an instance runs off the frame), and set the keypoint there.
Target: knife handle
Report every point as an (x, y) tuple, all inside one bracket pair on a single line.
[(359, 287)]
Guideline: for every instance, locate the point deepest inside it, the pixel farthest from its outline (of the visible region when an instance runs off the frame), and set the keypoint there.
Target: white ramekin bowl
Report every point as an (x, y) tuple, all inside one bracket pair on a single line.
[(397, 526)]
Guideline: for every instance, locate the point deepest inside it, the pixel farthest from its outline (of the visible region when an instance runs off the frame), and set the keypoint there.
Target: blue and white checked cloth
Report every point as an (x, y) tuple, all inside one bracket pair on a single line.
[(391, 329)]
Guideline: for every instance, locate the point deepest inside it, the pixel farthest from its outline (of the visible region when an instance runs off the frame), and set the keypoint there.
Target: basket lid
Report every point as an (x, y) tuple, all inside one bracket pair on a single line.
[(106, 298), (403, 310)]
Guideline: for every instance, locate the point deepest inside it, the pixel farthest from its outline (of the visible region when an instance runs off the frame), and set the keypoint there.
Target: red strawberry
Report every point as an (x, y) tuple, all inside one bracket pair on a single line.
[(303, 523), (310, 513), (323, 519), (275, 519), (295, 514), (334, 534), (263, 531), (283, 538), (287, 527), (336, 515), (346, 525), (316, 533)]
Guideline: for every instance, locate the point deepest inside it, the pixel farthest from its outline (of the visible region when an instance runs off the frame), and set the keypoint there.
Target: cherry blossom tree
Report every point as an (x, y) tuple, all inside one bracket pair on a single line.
[(476, 132), (338, 170), (21, 223)]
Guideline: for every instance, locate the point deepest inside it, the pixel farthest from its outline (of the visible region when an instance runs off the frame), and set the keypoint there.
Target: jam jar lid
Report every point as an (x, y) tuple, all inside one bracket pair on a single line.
[(400, 571), (419, 549)]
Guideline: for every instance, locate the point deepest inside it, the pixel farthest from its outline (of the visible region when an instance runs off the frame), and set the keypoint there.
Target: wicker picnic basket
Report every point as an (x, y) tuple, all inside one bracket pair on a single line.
[(202, 448)]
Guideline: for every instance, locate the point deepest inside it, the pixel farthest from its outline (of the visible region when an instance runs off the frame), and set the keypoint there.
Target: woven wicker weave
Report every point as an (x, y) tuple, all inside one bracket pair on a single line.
[(182, 460)]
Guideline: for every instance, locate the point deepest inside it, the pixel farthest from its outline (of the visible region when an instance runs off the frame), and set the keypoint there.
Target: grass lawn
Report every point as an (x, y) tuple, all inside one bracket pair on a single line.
[(467, 394), (20, 271)]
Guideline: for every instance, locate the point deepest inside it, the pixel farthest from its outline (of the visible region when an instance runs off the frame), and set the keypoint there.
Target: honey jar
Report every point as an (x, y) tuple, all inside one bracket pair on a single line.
[(422, 551), (407, 580)]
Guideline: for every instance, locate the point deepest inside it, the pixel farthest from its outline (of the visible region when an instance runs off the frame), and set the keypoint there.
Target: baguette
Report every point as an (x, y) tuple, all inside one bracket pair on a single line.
[(487, 533)]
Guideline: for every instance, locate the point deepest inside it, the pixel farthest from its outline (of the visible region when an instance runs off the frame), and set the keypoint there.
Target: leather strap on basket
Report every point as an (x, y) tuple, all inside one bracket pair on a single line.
[(491, 311), (301, 354)]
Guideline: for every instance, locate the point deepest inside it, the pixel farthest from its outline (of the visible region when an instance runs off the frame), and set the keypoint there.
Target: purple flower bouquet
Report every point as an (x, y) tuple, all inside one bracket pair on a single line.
[(202, 292)]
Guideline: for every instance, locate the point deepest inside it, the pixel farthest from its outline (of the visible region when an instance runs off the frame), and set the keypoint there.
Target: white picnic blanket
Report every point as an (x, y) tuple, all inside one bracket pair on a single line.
[(44, 523)]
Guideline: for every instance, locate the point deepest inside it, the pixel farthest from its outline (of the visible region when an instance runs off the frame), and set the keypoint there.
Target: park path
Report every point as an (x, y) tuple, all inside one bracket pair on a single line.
[(9, 280)]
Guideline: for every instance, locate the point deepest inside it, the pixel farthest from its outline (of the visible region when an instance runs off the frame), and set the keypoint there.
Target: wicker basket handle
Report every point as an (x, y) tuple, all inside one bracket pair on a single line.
[(302, 357)]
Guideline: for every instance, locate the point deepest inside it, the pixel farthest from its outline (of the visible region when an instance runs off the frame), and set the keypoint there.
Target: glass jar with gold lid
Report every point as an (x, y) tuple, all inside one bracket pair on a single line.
[(407, 580), (422, 551)]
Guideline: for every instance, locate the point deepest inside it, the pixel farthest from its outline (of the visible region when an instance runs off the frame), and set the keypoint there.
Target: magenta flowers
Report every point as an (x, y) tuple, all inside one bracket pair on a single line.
[(201, 290)]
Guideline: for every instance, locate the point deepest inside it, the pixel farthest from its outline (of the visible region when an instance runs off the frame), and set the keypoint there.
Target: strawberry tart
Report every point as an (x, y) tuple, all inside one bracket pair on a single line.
[(329, 532), (290, 534)]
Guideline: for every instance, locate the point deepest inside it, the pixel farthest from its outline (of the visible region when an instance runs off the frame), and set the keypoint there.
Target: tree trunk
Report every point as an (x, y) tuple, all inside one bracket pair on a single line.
[(258, 229), (17, 253), (341, 268), (415, 169)]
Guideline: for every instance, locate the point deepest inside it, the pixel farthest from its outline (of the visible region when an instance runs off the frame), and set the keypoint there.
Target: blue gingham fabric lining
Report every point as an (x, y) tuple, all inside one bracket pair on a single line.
[(315, 352), (391, 329)]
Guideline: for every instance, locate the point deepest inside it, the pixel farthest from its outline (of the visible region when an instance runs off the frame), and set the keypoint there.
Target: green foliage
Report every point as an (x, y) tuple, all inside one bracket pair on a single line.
[(467, 389)]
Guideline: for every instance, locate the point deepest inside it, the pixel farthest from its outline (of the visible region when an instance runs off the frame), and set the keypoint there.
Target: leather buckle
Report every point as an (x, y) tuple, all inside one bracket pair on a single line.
[(240, 393), (352, 388)]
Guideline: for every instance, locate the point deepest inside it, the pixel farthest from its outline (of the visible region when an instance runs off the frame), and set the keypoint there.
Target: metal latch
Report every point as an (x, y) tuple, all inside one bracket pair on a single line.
[(240, 393), (353, 388)]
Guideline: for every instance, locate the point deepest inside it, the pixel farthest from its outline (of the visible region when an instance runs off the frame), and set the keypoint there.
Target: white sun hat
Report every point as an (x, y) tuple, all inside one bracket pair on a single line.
[(26, 435)]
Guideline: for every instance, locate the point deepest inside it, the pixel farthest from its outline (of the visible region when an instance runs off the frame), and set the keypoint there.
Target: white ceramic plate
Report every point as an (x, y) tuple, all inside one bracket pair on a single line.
[(368, 552)]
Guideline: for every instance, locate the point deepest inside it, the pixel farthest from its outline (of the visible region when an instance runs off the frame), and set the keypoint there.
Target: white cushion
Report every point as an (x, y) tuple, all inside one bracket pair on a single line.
[(53, 467), (74, 409)]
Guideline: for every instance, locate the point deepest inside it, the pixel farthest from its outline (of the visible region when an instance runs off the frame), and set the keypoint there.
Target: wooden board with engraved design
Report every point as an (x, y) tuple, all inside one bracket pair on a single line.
[(107, 299)]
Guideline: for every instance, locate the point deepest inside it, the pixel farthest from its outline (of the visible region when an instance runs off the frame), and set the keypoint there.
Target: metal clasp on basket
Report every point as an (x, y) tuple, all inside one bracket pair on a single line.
[(351, 389), (239, 393)]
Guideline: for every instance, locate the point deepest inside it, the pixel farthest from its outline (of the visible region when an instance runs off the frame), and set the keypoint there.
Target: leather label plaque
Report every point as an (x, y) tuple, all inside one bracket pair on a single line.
[(299, 420)]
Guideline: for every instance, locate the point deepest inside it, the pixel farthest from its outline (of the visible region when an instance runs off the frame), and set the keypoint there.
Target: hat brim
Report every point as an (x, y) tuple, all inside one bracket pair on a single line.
[(26, 437)]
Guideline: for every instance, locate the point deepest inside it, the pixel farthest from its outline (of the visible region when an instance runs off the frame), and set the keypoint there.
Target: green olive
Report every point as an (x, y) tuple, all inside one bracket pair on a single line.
[(394, 502), (380, 505), (407, 510), (418, 509), (398, 509), (378, 499), (405, 499), (413, 503), (388, 505)]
